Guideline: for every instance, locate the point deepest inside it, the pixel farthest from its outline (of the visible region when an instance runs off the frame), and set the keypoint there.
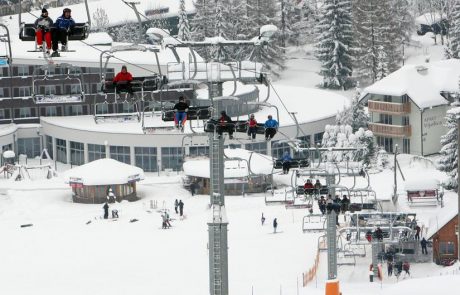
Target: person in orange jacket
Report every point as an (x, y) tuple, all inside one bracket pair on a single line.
[(123, 81)]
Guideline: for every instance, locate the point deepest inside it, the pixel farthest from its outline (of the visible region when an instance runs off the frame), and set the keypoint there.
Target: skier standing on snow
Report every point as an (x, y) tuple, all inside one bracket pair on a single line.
[(262, 219), (181, 208), (423, 243), (275, 225), (176, 204), (106, 210)]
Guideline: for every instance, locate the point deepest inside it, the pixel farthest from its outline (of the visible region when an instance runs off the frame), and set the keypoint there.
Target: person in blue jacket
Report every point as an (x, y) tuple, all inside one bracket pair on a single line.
[(62, 28), (286, 160), (271, 125)]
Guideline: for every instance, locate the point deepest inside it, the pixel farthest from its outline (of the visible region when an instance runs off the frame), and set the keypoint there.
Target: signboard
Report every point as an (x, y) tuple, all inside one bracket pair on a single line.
[(76, 182), (3, 62), (134, 178)]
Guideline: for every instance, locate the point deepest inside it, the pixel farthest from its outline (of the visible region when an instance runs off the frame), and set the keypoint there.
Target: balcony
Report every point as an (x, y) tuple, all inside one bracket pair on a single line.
[(392, 108), (390, 130)]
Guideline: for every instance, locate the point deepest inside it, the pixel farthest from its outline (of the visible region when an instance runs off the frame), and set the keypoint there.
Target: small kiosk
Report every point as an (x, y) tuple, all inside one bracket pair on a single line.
[(91, 182)]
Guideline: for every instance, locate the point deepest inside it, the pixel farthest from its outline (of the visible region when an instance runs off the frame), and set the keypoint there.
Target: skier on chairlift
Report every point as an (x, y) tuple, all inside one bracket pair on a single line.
[(180, 110)]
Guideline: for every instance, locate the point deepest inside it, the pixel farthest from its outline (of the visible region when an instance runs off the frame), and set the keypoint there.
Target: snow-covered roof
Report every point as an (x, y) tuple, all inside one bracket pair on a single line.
[(422, 83), (260, 164), (442, 217), (428, 18), (7, 129), (421, 184), (104, 172)]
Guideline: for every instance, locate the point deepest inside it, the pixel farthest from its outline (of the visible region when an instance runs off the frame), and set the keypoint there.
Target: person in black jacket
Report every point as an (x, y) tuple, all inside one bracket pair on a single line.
[(181, 208), (424, 243), (225, 125), (180, 110), (106, 210), (275, 225)]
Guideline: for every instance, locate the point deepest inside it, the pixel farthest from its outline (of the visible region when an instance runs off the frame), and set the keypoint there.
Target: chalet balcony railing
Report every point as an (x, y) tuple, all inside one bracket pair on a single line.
[(388, 107), (390, 130)]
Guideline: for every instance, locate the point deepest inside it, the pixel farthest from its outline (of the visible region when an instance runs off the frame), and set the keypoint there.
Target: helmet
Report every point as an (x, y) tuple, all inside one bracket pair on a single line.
[(181, 98), (223, 113), (269, 116), (66, 10)]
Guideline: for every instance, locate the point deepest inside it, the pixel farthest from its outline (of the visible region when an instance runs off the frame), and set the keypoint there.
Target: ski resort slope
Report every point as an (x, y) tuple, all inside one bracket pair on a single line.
[(69, 249)]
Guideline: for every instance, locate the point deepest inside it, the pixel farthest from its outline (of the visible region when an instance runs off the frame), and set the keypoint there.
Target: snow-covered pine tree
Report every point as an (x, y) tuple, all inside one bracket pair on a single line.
[(218, 53), (183, 25), (449, 157), (100, 20), (454, 31), (201, 23), (264, 12), (382, 63), (304, 26), (382, 159), (365, 140), (333, 46), (354, 115)]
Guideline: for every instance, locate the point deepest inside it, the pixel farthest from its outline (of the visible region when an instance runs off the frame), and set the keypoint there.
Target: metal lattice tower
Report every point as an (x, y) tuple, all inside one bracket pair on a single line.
[(331, 245), (217, 228), (376, 246)]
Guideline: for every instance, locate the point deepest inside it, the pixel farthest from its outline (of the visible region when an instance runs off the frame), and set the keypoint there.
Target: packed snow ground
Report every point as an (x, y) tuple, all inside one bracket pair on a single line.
[(64, 254)]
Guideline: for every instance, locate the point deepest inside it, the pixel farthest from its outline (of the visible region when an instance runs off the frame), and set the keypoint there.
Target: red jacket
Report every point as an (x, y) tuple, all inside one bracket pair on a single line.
[(308, 185), (252, 123), (123, 77)]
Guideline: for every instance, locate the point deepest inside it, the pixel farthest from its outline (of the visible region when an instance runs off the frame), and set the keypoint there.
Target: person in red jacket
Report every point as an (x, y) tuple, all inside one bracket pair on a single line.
[(252, 127), (308, 187), (123, 81)]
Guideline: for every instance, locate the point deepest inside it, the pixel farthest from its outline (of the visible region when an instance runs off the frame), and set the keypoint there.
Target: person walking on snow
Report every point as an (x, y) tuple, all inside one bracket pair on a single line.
[(275, 225), (262, 219), (176, 205), (106, 210), (417, 233), (390, 268), (424, 243), (181, 208)]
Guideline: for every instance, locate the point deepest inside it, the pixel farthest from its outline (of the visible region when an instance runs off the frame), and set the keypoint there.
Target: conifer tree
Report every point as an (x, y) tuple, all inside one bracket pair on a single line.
[(354, 115), (449, 157), (455, 32), (183, 25), (333, 46)]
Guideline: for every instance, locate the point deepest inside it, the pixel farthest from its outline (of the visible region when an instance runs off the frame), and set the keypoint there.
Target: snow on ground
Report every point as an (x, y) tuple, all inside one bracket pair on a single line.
[(62, 254)]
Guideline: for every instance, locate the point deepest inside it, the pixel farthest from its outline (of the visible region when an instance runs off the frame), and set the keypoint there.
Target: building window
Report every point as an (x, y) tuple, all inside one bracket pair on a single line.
[(73, 110), (406, 145), (386, 119), (49, 145), (318, 138), (405, 98), (386, 143), (2, 93), (2, 114), (61, 150), (29, 147), (405, 121), (387, 98), (23, 70), (198, 151), (51, 111), (102, 108), (48, 89), (446, 248), (25, 113), (77, 150), (278, 149), (96, 152), (171, 158), (24, 91), (146, 158), (258, 147), (120, 153)]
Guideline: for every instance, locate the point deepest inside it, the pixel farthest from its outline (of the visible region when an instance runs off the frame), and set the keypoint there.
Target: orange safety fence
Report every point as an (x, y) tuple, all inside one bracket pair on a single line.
[(311, 273)]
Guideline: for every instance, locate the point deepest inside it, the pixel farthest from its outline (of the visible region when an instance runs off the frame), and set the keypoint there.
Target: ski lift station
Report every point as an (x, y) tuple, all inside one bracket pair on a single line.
[(69, 105)]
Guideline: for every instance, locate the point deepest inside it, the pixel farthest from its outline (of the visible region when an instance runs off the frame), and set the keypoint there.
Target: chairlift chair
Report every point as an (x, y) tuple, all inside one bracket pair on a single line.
[(39, 83), (78, 33)]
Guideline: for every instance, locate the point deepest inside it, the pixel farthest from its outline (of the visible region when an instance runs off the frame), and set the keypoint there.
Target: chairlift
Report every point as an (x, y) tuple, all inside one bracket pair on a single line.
[(314, 223), (71, 82), (78, 33), (122, 111)]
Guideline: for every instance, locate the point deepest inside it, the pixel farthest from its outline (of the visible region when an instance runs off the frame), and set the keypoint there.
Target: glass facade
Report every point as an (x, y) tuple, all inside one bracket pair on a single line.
[(96, 152), (120, 153), (73, 110), (171, 158), (146, 158), (258, 147), (278, 149), (77, 153), (29, 147), (49, 145), (61, 151), (318, 138), (198, 151)]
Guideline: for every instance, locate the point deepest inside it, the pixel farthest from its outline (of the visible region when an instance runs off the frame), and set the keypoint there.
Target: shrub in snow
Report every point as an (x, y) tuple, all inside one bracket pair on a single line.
[(355, 115), (382, 159)]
